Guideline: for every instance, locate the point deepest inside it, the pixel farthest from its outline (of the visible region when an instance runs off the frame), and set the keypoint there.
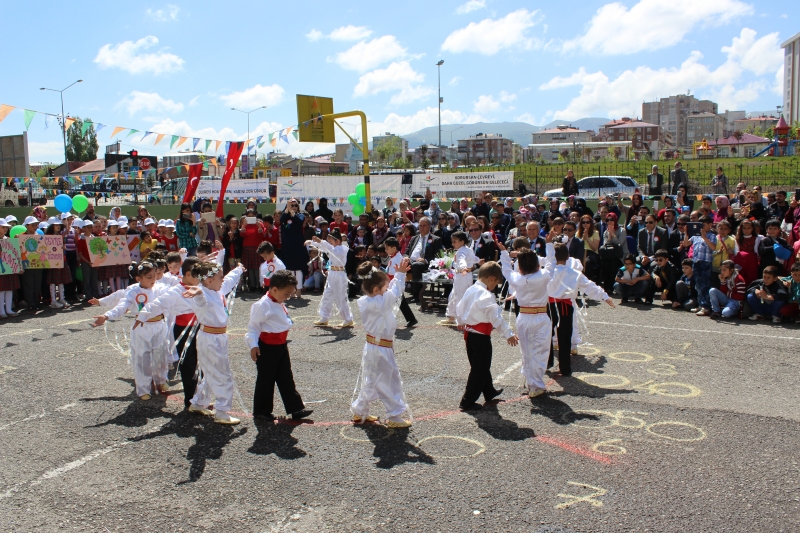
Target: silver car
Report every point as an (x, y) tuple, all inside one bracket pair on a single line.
[(597, 186)]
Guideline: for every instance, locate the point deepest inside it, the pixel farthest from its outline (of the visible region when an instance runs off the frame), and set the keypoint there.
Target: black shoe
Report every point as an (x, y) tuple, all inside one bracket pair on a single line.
[(297, 415), (411, 323), (649, 302), (266, 418), (624, 300), (470, 406), (494, 395), (638, 301)]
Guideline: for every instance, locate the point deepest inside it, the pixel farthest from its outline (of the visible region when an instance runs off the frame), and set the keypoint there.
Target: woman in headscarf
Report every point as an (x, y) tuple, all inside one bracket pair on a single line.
[(381, 231), (669, 203), (434, 211), (251, 204), (723, 211), (142, 214), (294, 252), (115, 213)]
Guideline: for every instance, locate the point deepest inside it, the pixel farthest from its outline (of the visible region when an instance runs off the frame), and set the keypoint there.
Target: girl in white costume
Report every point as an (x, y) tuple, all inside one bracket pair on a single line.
[(380, 376), (534, 328), (463, 262), (149, 344), (208, 303), (336, 285)]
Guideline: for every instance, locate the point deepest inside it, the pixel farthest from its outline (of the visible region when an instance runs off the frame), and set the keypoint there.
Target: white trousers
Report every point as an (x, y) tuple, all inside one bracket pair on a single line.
[(380, 380), (335, 292), (149, 355), (576, 331), (212, 358), (534, 332), (461, 282)]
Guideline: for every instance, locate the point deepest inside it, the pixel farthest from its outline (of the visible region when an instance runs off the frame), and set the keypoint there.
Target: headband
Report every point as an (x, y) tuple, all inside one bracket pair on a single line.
[(369, 274), (141, 266), (213, 271)]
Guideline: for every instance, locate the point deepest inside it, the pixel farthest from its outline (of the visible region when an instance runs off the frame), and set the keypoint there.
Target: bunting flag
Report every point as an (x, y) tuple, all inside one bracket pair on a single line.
[(216, 149), (234, 152), (284, 135), (258, 140), (47, 120), (193, 182), (5, 110), (296, 135), (145, 135), (208, 143), (159, 136), (181, 141), (227, 146), (195, 140), (86, 125), (68, 122), (29, 118), (117, 129), (272, 139), (260, 145), (98, 127), (131, 133)]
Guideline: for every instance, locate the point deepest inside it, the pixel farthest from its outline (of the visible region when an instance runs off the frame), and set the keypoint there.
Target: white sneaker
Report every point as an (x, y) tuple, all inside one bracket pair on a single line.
[(776, 320), (3, 315), (535, 392), (200, 410), (225, 418), (755, 317), (63, 303), (56, 305)]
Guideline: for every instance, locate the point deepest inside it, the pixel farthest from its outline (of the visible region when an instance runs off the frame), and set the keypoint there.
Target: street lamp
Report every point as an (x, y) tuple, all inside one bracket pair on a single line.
[(439, 72), (63, 118), (248, 124), (451, 139)]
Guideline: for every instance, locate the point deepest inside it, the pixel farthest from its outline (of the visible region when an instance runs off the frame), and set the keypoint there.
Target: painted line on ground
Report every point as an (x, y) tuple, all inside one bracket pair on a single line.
[(33, 417), (507, 371), (697, 330), (20, 332), (76, 322)]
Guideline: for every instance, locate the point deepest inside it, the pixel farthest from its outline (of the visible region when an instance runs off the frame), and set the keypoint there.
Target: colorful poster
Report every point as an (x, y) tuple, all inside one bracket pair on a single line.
[(133, 247), (41, 251), (10, 259), (109, 250)]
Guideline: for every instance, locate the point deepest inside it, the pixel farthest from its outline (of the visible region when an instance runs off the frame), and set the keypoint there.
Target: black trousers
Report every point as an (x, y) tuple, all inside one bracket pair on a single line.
[(72, 262), (274, 367), (417, 269), (408, 314), (479, 353), (562, 314), (189, 366)]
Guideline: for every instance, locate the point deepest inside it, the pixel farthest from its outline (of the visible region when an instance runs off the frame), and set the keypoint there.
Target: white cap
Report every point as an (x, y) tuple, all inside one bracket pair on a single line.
[(123, 221), (149, 221), (112, 222), (169, 223), (11, 218), (78, 223), (162, 223), (30, 220), (53, 220), (43, 225), (3, 223)]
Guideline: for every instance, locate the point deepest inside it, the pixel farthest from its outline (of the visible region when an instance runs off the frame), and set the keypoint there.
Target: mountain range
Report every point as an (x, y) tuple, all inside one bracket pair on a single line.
[(519, 132)]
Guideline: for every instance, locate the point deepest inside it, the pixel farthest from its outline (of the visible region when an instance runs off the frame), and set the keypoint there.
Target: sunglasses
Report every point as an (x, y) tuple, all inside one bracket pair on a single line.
[(609, 220), (442, 218), (586, 222), (650, 223), (495, 218), (474, 230)]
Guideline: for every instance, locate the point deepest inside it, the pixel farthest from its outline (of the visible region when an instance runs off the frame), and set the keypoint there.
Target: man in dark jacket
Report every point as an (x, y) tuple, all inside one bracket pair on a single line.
[(423, 248), (569, 187), (654, 182), (679, 177)]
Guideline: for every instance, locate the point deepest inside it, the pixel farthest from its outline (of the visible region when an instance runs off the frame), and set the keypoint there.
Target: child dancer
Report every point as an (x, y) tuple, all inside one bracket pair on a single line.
[(380, 376), (8, 283), (270, 265), (208, 303), (149, 347), (392, 247), (266, 336), (463, 262), (478, 314), (534, 328), (336, 285)]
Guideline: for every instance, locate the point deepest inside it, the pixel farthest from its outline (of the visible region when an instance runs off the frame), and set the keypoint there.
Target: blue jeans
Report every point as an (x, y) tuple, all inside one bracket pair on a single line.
[(729, 307), (766, 309), (316, 281), (637, 290), (702, 282)]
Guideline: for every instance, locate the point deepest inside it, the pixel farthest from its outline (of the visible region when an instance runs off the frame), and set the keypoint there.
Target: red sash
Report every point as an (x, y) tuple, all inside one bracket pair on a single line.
[(273, 338), (184, 320), (484, 328), (562, 302)]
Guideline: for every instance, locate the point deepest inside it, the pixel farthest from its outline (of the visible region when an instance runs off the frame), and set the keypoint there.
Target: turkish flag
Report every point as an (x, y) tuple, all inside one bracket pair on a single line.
[(234, 151), (193, 182)]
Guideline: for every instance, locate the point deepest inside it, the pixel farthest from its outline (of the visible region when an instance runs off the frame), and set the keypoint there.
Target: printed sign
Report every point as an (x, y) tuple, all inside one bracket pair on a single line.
[(467, 181), (109, 250), (336, 189), (237, 189), (10, 259), (41, 251), (133, 247)]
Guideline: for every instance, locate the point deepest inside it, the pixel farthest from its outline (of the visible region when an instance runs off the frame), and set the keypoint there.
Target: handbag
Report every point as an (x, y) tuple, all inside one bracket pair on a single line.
[(610, 250)]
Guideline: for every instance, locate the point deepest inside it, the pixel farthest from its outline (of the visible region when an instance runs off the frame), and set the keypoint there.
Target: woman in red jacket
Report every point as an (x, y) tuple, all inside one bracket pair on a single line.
[(252, 236)]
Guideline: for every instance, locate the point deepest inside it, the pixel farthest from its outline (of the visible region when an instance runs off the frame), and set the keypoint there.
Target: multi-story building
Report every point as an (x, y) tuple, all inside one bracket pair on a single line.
[(485, 147), (644, 137), (791, 79), (561, 134), (763, 122), (380, 139), (730, 118), (604, 132), (672, 113), (706, 126)]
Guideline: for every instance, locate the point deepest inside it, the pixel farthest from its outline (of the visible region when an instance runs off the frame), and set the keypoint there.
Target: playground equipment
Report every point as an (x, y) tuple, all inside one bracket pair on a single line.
[(781, 144), (701, 150)]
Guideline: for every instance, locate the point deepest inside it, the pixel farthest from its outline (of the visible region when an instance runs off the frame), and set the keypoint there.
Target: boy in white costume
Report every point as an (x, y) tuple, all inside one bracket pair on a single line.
[(463, 262), (380, 376), (270, 265), (149, 344), (336, 284), (534, 329), (392, 248)]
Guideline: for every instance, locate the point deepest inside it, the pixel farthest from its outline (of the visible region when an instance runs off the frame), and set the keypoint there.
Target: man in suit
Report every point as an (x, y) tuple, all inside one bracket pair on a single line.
[(651, 238), (679, 177), (574, 244), (424, 247), (654, 182)]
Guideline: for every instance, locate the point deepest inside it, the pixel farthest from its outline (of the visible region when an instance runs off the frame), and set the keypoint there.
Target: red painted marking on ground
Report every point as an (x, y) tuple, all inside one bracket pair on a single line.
[(575, 449)]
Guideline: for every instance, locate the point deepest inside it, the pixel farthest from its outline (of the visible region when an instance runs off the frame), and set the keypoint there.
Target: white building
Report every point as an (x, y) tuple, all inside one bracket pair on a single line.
[(791, 79)]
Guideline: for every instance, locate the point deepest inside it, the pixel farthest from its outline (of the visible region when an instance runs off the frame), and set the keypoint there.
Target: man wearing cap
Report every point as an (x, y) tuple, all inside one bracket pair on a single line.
[(655, 182), (32, 277)]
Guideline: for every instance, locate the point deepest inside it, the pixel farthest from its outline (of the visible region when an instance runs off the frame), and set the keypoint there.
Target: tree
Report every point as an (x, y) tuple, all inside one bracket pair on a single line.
[(389, 149), (409, 160), (564, 155), (738, 135), (81, 147), (617, 152)]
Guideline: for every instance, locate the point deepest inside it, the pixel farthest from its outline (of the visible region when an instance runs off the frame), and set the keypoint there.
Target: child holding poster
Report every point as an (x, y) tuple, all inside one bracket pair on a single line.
[(8, 282), (57, 277), (32, 277)]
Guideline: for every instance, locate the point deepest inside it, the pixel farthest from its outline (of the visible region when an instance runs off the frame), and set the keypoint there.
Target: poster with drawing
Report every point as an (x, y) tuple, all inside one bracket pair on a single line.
[(41, 251), (109, 250), (10, 259), (133, 247)]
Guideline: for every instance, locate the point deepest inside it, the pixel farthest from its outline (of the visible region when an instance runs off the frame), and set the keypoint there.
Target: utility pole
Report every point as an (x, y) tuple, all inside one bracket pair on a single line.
[(439, 71), (249, 164), (63, 119)]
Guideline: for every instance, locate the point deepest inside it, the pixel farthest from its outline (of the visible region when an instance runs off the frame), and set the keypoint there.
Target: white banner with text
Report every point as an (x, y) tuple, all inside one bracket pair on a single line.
[(336, 189)]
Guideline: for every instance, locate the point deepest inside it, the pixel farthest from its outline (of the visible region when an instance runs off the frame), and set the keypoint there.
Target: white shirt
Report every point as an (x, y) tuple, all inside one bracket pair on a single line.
[(394, 262), (170, 279), (477, 306), (114, 298), (464, 258), (268, 316), (172, 301), (337, 255), (134, 299), (566, 282), (418, 251), (377, 314), (210, 306), (267, 269), (529, 289)]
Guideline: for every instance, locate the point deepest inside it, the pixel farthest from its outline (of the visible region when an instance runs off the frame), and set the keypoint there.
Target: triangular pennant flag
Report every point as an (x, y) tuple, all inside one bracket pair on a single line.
[(296, 135), (86, 125), (258, 139), (260, 145), (131, 133), (227, 146), (5, 110), (159, 136), (173, 141), (284, 135), (98, 127), (272, 139), (68, 122), (29, 117), (145, 135), (216, 148), (181, 141), (140, 174), (208, 143), (47, 120), (117, 129)]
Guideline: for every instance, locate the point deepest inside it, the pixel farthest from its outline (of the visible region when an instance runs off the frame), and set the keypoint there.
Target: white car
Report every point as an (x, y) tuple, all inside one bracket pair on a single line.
[(597, 186)]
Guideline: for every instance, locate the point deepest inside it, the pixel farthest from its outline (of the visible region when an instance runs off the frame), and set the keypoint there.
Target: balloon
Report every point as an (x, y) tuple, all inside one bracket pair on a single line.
[(352, 199), (360, 190), (80, 203), (63, 203), (16, 230), (357, 209), (40, 232), (362, 201)]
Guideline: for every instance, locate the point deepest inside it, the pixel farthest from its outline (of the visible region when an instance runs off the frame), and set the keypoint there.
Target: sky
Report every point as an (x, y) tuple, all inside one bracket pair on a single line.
[(179, 67)]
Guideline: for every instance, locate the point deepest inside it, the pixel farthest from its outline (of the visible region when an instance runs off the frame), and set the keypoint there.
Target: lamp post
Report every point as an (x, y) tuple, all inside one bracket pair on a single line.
[(248, 125), (451, 138), (439, 72), (63, 118)]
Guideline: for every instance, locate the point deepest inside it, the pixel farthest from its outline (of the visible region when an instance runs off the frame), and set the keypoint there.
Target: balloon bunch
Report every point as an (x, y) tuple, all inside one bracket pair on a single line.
[(64, 203), (358, 200)]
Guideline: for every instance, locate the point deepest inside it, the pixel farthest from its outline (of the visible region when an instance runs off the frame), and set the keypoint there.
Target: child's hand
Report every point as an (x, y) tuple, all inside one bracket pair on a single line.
[(239, 265), (191, 292), (513, 340), (254, 353), (663, 296), (136, 324), (218, 244), (405, 265), (99, 320), (183, 251), (610, 302), (501, 246), (94, 301), (316, 239), (513, 255)]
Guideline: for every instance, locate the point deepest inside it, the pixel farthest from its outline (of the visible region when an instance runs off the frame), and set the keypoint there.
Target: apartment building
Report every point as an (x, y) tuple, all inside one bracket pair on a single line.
[(706, 126), (485, 147), (671, 112), (791, 79), (380, 139)]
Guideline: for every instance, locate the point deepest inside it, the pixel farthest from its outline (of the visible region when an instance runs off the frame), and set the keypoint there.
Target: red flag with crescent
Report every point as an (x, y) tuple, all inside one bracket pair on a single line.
[(193, 182), (234, 152)]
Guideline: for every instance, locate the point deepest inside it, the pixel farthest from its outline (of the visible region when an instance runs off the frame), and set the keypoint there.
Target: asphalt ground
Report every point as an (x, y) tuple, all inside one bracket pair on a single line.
[(670, 423)]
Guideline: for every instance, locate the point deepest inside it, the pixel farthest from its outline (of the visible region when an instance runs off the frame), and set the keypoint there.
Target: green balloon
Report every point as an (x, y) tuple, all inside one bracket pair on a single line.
[(352, 199), (80, 203), (358, 209), (16, 230), (360, 190)]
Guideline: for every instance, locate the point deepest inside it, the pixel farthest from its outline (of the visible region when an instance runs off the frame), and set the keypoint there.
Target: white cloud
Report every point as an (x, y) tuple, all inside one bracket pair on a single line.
[(469, 7), (455, 80), (505, 96), (140, 101), (51, 152), (526, 117), (164, 15), (314, 35), (128, 57), (367, 55), (193, 101), (398, 75), (255, 96), (350, 33), (652, 24), (623, 95), (489, 36), (485, 104)]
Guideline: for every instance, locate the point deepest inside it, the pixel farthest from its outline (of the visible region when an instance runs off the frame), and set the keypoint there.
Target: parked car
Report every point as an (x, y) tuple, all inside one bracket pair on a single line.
[(596, 186)]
